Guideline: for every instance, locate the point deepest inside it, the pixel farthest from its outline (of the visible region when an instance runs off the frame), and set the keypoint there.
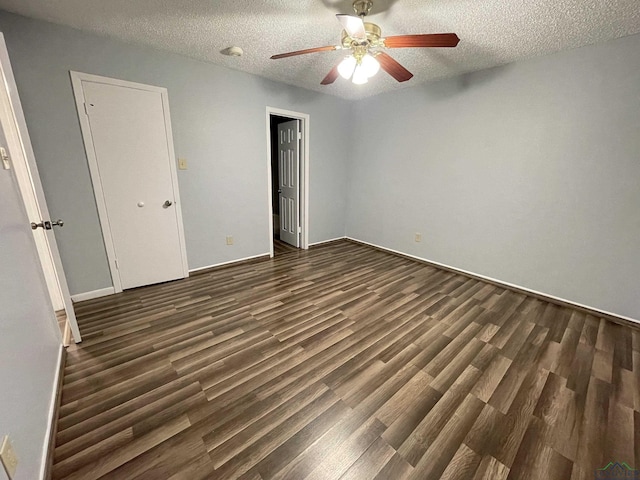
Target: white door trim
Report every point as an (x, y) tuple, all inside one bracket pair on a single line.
[(78, 93), (304, 168), (26, 170)]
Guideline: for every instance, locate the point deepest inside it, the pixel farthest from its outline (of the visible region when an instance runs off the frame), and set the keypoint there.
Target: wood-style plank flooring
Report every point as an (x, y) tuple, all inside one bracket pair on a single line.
[(344, 362), (280, 247)]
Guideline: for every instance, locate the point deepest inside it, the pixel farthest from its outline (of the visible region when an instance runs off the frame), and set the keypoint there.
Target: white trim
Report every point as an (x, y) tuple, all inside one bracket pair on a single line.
[(76, 82), (193, 270), (304, 160), (78, 92), (326, 241), (89, 77), (500, 282), (52, 411), (103, 292), (174, 182)]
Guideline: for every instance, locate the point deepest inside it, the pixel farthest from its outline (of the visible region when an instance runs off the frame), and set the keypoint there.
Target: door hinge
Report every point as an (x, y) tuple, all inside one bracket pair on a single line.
[(5, 158), (299, 229), (86, 110), (116, 263), (299, 135)]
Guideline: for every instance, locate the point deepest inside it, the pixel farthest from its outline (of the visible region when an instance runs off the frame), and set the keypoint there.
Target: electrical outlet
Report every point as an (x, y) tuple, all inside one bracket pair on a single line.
[(418, 237), (182, 163), (229, 240), (8, 457)]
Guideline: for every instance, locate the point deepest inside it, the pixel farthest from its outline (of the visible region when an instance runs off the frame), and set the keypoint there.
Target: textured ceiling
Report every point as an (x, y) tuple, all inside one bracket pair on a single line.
[(492, 32)]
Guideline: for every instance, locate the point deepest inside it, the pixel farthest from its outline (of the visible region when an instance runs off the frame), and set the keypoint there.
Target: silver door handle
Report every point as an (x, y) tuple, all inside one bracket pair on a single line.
[(46, 224), (167, 204)]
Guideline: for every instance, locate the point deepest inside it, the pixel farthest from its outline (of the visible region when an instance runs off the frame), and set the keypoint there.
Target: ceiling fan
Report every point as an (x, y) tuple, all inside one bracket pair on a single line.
[(366, 45)]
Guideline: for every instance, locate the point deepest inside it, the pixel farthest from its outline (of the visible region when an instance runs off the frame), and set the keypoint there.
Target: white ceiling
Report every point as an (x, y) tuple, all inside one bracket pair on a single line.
[(492, 32)]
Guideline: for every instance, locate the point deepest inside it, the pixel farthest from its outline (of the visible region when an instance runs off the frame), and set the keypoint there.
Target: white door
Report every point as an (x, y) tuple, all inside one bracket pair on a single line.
[(22, 162), (23, 291), (289, 182), (128, 130)]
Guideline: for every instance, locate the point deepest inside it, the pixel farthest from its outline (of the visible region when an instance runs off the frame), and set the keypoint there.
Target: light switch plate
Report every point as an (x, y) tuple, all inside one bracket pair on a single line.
[(8, 457), (182, 163)]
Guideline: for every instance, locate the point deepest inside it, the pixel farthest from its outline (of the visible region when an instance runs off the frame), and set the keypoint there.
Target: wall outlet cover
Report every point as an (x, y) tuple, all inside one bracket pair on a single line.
[(229, 240), (8, 457), (182, 163), (418, 237)]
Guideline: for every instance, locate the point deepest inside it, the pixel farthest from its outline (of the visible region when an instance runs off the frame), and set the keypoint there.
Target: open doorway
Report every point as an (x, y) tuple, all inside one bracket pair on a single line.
[(287, 135)]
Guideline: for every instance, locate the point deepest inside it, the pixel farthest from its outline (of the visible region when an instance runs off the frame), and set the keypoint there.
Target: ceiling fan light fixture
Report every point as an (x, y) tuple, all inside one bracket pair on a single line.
[(347, 67), (370, 65), (360, 76)]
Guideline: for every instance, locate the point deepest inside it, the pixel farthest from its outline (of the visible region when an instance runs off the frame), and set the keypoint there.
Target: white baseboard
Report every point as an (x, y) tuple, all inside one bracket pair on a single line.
[(193, 270), (103, 292), (50, 420), (326, 241), (500, 282)]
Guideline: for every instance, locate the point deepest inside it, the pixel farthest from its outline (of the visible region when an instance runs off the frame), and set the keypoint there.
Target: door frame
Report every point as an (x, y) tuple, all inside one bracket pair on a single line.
[(23, 162), (78, 92), (304, 169)]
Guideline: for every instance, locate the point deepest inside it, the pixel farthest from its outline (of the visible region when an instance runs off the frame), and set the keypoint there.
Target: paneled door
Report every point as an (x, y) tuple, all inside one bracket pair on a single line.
[(134, 164), (289, 181)]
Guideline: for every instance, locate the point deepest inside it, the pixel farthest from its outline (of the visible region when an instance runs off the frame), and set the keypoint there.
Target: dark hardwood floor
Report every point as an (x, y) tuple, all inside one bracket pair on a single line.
[(279, 247), (344, 362)]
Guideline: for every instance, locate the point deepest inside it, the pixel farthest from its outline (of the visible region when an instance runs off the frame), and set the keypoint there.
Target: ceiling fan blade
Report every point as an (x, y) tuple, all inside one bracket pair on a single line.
[(331, 76), (393, 68), (354, 26), (426, 40), (302, 52)]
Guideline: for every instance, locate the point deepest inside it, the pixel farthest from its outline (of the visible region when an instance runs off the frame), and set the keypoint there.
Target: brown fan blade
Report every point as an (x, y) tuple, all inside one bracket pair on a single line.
[(427, 40), (303, 52), (393, 68), (331, 76)]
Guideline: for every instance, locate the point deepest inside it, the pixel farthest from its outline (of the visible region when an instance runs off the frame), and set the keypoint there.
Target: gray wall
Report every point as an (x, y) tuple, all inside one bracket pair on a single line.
[(529, 174), (219, 125)]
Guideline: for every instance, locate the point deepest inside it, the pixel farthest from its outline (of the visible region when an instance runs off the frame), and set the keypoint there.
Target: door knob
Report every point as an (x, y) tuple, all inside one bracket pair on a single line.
[(46, 224), (167, 204)]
